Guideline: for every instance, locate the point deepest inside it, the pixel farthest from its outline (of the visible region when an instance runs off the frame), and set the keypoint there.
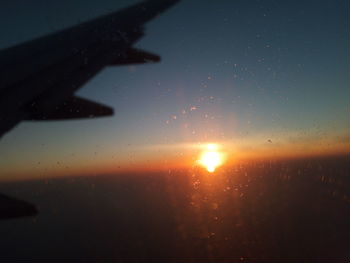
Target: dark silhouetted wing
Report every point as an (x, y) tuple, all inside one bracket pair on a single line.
[(14, 208), (39, 78)]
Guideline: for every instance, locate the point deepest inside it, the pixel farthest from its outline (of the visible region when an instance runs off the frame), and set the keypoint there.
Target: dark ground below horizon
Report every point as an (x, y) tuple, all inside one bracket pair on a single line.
[(259, 212)]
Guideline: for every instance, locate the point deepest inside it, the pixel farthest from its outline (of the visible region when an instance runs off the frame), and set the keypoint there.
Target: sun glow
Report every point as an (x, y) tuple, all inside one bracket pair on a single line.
[(211, 158)]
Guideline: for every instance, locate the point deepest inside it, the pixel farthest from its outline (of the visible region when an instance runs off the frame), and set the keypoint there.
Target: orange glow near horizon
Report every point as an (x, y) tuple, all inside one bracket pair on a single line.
[(53, 162), (211, 158)]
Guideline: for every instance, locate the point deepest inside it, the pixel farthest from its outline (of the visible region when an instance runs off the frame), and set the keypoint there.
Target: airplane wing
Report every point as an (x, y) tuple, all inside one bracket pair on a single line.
[(14, 208), (38, 78)]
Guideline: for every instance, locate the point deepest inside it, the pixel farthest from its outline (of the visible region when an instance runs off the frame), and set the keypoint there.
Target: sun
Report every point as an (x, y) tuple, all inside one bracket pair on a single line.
[(211, 158)]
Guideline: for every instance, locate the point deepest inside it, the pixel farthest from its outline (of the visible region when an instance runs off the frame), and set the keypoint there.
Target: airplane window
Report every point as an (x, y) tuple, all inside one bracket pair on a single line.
[(174, 131)]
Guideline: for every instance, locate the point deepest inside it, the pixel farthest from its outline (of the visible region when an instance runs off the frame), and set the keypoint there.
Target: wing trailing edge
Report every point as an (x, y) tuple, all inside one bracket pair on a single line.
[(135, 56), (73, 108)]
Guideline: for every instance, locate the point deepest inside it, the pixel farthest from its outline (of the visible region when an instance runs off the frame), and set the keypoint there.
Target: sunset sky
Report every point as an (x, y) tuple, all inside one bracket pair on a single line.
[(263, 79)]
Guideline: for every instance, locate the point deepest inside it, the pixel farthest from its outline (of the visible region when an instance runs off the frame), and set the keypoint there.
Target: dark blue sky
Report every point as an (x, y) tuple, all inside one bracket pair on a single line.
[(249, 70)]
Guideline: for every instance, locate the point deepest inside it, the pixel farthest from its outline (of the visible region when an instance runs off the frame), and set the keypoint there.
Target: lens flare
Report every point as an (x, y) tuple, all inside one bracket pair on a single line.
[(211, 158)]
